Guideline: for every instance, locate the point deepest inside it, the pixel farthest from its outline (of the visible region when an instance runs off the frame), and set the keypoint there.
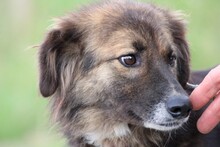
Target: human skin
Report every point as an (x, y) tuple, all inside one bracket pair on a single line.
[(208, 90)]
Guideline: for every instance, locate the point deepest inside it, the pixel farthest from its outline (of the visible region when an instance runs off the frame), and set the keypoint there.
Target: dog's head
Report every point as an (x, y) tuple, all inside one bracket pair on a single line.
[(129, 62)]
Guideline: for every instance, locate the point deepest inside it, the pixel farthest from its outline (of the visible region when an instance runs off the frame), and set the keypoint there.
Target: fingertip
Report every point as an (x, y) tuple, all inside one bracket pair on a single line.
[(207, 122), (202, 128), (195, 99)]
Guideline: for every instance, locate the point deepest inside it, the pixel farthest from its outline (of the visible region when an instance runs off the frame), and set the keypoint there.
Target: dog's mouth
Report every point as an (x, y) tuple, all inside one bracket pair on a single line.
[(171, 125), (166, 126)]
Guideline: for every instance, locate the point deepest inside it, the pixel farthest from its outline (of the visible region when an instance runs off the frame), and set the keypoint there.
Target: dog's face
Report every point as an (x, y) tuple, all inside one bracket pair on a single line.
[(120, 62)]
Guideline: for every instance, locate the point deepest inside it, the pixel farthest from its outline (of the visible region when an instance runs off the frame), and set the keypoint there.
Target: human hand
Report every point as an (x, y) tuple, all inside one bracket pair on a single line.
[(208, 89)]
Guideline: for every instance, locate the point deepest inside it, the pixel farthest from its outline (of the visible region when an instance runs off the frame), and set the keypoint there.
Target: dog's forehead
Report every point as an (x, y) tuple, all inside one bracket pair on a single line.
[(119, 43), (117, 28)]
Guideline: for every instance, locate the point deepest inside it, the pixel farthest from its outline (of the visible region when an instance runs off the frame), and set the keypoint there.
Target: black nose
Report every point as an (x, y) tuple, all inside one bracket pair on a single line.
[(179, 106)]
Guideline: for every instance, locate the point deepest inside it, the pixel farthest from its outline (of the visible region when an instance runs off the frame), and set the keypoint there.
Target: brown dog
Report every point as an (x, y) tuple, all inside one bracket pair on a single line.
[(116, 72)]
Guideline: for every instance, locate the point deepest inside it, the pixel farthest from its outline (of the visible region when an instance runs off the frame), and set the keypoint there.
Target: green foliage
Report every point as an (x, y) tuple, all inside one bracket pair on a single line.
[(23, 113)]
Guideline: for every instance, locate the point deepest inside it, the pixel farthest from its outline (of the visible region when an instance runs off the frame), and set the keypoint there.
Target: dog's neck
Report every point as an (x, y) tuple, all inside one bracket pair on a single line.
[(122, 135), (99, 136)]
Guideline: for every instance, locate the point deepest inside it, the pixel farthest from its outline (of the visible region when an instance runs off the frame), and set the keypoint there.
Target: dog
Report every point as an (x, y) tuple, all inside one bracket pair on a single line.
[(117, 74)]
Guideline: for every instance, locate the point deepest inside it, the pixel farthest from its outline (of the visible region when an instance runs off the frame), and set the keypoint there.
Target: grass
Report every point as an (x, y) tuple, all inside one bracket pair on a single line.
[(23, 113)]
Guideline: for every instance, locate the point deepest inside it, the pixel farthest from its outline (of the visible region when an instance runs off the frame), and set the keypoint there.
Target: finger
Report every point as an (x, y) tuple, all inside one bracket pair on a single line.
[(207, 89), (210, 118)]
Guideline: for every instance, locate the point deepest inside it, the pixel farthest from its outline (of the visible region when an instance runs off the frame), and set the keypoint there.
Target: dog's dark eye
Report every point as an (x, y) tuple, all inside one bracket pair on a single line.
[(129, 60), (172, 59)]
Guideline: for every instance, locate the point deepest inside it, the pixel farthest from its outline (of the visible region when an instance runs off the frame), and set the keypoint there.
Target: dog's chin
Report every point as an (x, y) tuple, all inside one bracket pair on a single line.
[(165, 126)]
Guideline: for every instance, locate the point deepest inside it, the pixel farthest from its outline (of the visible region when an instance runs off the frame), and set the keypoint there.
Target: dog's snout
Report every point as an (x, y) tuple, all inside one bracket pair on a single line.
[(179, 106)]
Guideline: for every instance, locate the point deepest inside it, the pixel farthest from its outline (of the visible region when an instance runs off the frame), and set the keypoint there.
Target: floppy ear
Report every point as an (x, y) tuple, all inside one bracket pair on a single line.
[(52, 52), (178, 29)]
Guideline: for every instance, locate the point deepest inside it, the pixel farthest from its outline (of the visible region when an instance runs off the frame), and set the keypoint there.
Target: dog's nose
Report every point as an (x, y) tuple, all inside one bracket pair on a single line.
[(179, 106)]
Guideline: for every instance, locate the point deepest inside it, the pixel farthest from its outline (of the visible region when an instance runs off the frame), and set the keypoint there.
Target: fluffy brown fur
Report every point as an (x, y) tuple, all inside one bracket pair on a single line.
[(99, 101)]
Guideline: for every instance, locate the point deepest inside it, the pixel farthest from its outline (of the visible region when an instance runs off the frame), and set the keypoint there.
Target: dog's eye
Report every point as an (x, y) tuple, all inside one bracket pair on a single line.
[(172, 59), (129, 60)]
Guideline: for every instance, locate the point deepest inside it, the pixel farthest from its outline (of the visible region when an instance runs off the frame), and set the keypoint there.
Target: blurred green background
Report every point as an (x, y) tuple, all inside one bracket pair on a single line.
[(23, 23)]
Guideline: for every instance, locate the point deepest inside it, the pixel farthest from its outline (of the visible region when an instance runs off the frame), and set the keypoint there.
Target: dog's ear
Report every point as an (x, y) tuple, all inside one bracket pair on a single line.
[(52, 51), (178, 29)]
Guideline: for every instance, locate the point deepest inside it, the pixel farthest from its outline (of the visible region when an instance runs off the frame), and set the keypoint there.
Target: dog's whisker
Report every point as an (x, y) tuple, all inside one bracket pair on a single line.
[(168, 139)]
